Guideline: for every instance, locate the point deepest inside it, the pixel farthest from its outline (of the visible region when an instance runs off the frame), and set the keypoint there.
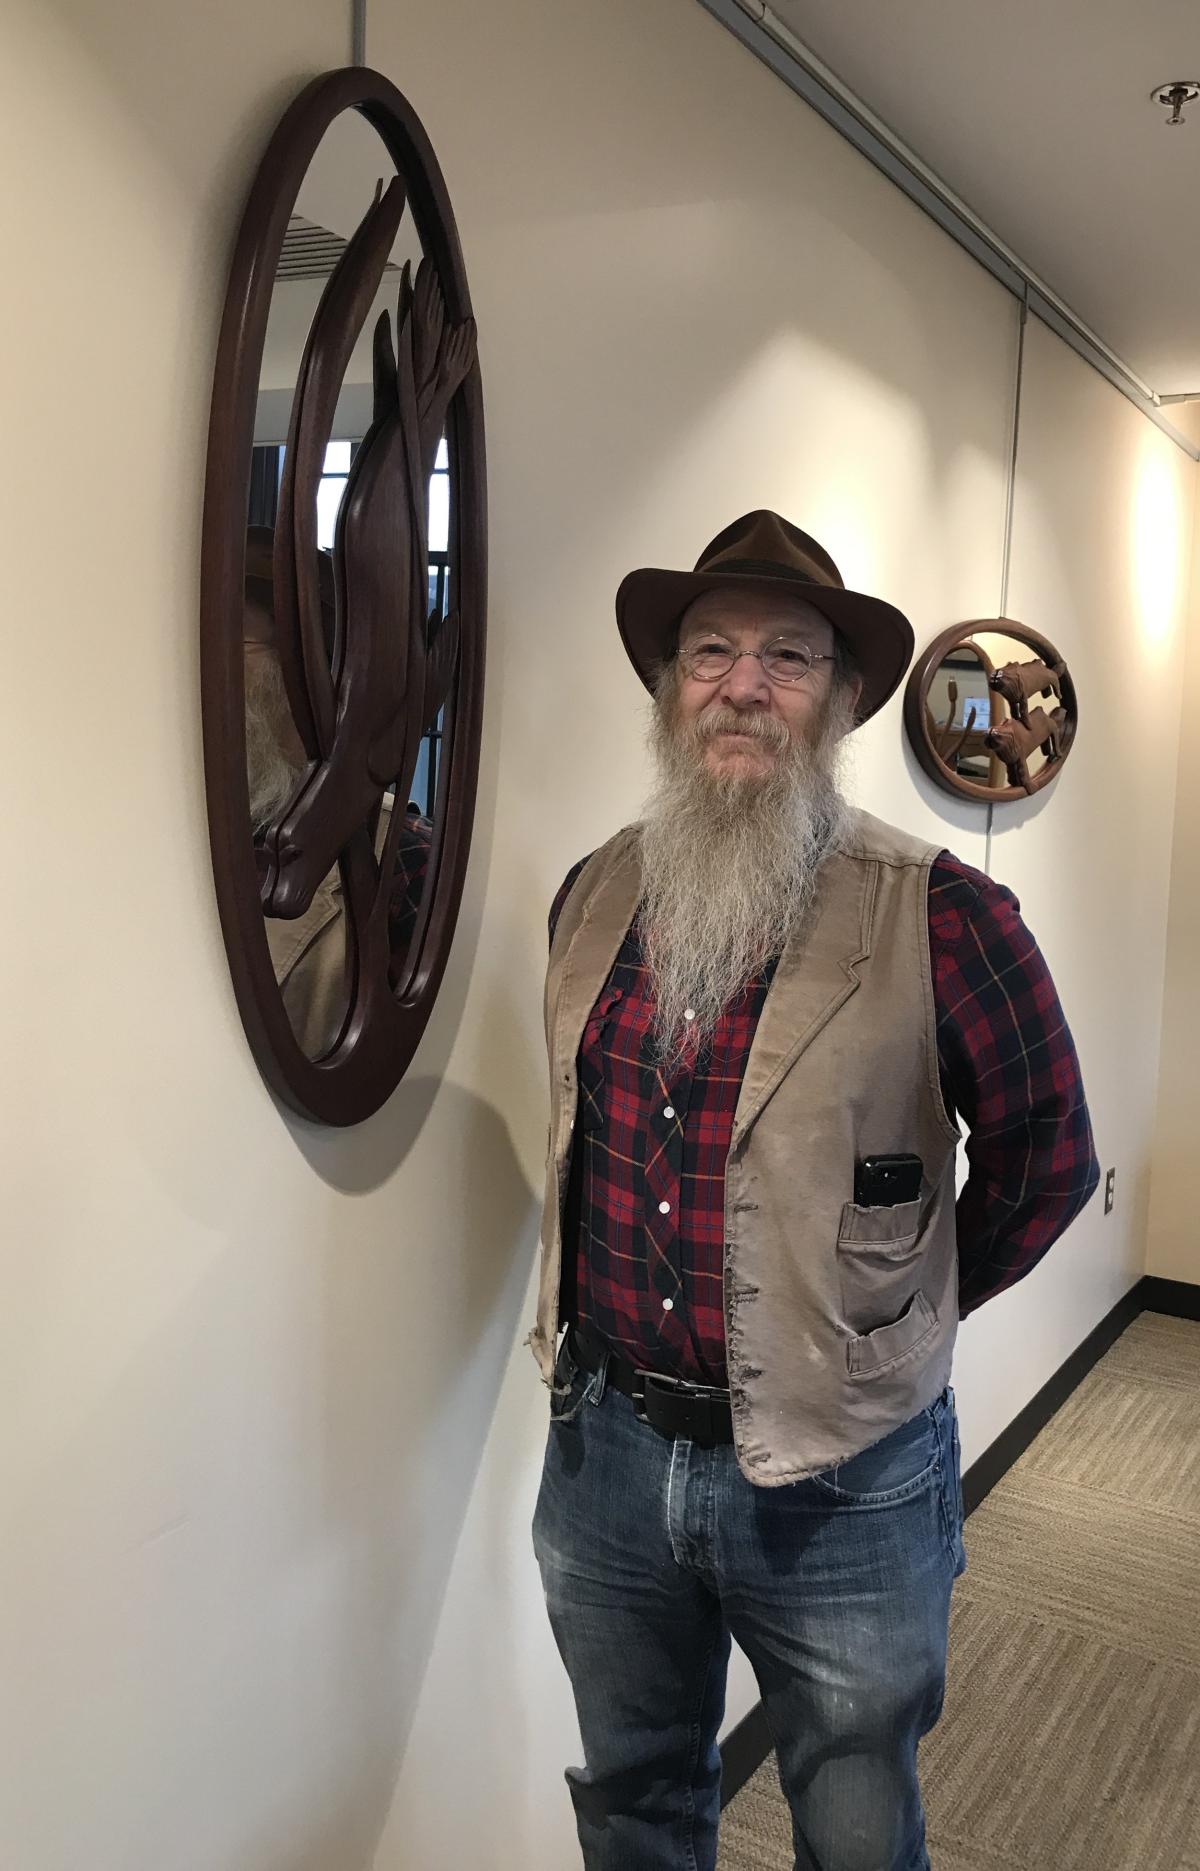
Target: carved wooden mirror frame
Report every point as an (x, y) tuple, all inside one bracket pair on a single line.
[(1059, 716), (385, 1018)]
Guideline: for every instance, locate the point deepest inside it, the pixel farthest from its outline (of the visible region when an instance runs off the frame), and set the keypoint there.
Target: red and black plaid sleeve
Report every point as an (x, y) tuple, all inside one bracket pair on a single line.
[(1010, 1070)]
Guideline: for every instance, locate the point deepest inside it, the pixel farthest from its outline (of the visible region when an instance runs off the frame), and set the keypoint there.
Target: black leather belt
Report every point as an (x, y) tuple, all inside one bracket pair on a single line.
[(698, 1413)]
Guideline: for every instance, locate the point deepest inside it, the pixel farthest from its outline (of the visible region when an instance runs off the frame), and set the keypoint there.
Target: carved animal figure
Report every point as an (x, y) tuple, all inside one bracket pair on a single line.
[(363, 701), (1014, 741), (1017, 682)]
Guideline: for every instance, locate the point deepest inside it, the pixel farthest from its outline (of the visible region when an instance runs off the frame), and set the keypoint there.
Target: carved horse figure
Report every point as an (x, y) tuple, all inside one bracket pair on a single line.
[(1018, 682), (1015, 740), (362, 701)]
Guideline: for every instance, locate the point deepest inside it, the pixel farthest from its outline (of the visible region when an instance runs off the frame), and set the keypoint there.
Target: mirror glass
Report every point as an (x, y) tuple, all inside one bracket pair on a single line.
[(958, 714), (321, 859)]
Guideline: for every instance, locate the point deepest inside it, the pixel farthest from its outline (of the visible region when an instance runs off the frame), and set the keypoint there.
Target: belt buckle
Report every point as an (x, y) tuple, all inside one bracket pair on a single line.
[(652, 1381), (647, 1383)]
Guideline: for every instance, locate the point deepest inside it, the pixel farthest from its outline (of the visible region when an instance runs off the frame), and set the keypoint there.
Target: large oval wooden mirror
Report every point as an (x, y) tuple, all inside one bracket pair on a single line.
[(344, 590)]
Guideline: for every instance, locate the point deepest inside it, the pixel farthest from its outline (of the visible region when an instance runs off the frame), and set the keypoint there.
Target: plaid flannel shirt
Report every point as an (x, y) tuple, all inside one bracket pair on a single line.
[(647, 1201)]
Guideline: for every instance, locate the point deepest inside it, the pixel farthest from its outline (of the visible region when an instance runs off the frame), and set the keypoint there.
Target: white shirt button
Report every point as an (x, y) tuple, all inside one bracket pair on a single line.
[(689, 1013), (668, 1305), (670, 1111), (664, 1208)]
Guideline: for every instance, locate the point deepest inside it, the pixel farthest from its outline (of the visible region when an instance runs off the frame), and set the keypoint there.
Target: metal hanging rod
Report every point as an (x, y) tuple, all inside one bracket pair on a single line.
[(767, 36)]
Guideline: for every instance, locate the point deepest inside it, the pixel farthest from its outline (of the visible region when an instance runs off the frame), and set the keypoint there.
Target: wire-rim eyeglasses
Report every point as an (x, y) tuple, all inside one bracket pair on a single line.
[(784, 660)]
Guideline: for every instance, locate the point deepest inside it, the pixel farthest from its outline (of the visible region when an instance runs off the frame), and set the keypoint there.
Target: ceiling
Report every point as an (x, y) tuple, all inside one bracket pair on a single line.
[(1038, 114)]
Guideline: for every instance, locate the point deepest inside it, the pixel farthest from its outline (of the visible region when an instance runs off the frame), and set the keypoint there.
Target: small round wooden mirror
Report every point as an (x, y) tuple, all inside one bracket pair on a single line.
[(990, 710)]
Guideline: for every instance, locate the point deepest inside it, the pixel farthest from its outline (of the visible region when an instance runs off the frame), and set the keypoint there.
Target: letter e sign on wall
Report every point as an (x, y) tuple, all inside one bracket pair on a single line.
[(344, 591)]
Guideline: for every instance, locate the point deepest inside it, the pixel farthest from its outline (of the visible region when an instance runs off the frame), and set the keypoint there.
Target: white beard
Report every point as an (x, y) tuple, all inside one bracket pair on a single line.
[(730, 862), (272, 777)]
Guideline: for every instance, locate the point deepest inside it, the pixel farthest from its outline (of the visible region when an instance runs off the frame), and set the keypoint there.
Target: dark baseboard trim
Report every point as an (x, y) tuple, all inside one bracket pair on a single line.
[(1179, 1298), (746, 1747), (981, 1477)]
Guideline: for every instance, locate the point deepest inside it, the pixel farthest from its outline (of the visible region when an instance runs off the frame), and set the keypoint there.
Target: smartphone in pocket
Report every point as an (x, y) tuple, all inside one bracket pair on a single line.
[(883, 1181)]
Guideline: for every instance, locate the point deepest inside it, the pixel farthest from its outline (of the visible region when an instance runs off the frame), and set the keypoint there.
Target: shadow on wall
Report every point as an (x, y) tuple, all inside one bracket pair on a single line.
[(415, 1347), (365, 1156)]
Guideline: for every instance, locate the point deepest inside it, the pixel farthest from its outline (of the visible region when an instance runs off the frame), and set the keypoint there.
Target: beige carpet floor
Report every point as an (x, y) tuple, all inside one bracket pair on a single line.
[(1070, 1738)]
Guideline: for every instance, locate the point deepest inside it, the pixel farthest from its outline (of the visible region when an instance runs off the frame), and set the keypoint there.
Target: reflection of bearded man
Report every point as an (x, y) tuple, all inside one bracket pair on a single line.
[(308, 953), (274, 755), (731, 859)]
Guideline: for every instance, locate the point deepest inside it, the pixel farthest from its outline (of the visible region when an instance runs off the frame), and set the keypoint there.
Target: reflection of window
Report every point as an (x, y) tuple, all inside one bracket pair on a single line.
[(266, 465), (964, 668), (266, 469), (330, 488), (974, 695), (424, 786)]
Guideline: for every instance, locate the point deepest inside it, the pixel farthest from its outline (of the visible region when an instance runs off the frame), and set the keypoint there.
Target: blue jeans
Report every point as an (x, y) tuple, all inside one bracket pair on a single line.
[(653, 1553)]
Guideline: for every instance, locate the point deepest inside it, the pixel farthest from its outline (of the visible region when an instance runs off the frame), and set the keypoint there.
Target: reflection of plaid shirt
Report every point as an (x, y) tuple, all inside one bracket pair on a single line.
[(412, 862), (1008, 1068)]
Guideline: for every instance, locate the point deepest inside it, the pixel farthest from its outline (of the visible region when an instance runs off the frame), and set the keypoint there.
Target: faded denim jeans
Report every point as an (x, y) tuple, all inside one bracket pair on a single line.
[(654, 1553)]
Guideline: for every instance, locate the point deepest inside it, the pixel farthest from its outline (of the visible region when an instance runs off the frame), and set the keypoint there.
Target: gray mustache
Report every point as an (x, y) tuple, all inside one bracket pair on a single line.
[(757, 727)]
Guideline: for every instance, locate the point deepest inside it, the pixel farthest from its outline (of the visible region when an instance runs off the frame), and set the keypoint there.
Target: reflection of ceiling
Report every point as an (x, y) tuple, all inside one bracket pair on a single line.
[(311, 252)]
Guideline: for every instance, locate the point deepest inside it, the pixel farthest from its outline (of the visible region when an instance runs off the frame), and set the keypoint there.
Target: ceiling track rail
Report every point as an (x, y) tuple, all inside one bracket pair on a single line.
[(771, 41)]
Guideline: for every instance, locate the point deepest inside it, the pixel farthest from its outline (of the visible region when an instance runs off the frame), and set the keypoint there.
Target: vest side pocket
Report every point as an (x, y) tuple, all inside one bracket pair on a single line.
[(879, 1254), (888, 1345)]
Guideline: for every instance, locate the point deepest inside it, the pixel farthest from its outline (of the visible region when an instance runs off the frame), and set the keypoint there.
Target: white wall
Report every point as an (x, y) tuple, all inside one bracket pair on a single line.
[(1174, 1237), (271, 1442), (1101, 545)]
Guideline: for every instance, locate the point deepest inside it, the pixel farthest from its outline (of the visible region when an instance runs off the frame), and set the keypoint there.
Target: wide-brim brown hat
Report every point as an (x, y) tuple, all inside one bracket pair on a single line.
[(762, 551)]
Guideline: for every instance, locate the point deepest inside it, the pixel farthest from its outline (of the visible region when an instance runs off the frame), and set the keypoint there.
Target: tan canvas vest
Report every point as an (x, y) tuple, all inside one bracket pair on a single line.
[(839, 1320)]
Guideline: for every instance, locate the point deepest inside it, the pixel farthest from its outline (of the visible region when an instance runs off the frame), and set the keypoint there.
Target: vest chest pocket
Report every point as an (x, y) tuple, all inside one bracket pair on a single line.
[(879, 1255)]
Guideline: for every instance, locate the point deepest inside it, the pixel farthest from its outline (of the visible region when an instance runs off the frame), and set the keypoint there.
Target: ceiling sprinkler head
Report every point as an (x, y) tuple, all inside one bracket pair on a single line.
[(1173, 97)]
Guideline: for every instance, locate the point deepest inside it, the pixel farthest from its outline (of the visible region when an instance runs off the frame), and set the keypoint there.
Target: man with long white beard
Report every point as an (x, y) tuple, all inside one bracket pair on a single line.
[(766, 1014)]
